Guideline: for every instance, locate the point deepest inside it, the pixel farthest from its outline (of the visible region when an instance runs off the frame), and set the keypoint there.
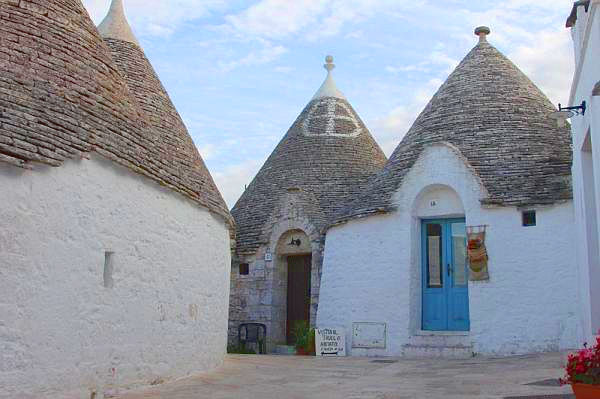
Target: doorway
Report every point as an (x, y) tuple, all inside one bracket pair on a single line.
[(298, 293), (445, 285), (591, 228)]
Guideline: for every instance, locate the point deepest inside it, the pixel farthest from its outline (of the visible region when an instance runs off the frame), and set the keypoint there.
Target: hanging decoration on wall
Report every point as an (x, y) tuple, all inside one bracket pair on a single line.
[(477, 253)]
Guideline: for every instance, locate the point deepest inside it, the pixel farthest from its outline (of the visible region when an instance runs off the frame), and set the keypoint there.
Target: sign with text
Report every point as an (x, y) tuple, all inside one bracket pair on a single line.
[(330, 342)]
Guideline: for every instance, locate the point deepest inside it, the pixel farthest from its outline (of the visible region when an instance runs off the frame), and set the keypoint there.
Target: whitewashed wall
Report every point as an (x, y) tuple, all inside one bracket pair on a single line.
[(372, 266), (62, 333), (586, 166)]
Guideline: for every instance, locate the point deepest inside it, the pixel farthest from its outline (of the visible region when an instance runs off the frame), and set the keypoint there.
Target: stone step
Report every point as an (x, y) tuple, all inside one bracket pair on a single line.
[(442, 345), (440, 340), (435, 352), (284, 350)]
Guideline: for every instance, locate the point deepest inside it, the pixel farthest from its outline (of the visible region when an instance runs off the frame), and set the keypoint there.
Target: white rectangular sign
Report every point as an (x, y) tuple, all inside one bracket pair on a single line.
[(330, 342)]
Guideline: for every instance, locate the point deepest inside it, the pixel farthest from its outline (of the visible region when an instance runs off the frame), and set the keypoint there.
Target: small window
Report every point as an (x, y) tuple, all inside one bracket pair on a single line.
[(244, 269), (108, 269), (529, 218)]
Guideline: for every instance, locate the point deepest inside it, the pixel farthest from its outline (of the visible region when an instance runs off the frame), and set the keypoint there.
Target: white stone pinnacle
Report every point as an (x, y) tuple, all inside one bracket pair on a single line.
[(115, 25), (329, 88), (482, 32)]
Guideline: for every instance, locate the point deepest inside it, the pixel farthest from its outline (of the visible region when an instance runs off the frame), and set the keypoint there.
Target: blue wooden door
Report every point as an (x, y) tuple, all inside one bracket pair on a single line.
[(445, 276)]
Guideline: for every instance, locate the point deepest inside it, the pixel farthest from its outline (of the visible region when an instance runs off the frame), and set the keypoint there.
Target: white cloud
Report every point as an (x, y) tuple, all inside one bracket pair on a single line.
[(391, 128), (434, 60), (359, 34), (233, 179), (208, 151), (264, 55), (279, 19), (283, 69), (549, 63), (408, 68), (157, 17), (547, 4), (440, 58)]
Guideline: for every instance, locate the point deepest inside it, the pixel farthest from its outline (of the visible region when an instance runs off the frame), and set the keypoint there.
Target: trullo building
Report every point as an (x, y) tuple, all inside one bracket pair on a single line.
[(584, 23), (463, 243), (322, 162), (114, 240)]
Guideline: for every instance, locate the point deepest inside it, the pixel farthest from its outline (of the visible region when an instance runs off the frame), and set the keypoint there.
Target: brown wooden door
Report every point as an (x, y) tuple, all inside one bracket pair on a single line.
[(298, 292)]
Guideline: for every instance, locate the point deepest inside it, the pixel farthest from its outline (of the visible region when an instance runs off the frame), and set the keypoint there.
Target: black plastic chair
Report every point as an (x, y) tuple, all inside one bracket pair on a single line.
[(252, 334)]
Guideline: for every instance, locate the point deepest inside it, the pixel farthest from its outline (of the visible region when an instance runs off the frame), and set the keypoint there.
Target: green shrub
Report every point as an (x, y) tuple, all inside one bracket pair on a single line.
[(305, 337)]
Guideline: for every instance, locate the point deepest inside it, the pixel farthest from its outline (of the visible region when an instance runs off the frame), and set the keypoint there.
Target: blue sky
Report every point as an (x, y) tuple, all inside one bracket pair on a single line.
[(240, 72)]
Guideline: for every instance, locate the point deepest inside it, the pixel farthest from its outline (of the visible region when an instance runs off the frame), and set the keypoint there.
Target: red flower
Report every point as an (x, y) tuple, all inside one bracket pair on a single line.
[(583, 366)]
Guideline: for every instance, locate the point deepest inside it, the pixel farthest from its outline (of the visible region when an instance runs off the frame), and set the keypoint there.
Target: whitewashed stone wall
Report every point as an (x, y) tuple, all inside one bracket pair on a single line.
[(372, 266), (62, 332), (586, 165)]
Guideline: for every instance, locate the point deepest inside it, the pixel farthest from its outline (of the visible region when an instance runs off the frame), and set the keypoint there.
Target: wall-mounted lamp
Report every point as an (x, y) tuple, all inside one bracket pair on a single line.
[(565, 113), (295, 242), (572, 20)]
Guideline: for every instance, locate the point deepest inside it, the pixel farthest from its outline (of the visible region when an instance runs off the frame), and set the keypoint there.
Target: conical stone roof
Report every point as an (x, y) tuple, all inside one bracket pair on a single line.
[(63, 96), (176, 146), (499, 120), (328, 155)]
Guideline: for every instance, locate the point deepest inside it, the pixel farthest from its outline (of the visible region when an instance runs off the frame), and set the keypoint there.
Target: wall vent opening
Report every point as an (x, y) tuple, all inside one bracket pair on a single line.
[(529, 218), (108, 269)]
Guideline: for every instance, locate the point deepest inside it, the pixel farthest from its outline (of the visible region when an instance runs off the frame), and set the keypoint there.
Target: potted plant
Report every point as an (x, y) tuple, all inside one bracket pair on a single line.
[(583, 372), (305, 339)]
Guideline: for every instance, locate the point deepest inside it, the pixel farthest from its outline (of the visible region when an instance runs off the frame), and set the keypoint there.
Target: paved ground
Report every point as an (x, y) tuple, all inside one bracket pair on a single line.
[(295, 377)]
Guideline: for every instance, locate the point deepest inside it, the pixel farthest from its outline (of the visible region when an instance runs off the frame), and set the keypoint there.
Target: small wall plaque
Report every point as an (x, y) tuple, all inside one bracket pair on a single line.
[(268, 256), (369, 335)]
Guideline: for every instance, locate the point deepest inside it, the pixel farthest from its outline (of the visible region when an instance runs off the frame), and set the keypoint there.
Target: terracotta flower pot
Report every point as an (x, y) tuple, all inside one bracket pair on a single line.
[(301, 352), (585, 391)]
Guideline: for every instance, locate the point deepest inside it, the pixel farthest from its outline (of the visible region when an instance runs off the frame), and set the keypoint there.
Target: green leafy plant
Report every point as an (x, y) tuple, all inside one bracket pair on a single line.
[(300, 332), (305, 338)]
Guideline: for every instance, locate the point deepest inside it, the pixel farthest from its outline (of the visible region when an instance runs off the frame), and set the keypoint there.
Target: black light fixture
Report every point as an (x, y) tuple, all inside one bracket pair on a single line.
[(572, 20), (565, 113), (295, 242)]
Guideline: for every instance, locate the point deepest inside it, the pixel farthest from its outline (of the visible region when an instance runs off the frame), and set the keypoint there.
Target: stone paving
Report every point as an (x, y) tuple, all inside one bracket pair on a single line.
[(294, 377)]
